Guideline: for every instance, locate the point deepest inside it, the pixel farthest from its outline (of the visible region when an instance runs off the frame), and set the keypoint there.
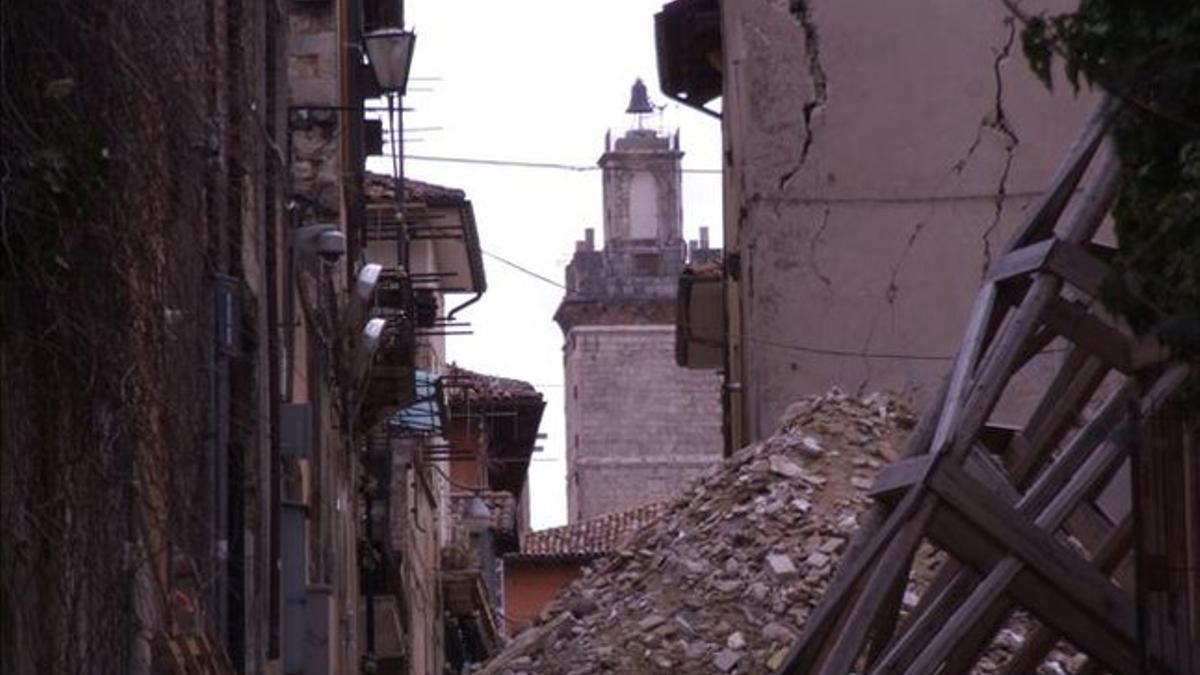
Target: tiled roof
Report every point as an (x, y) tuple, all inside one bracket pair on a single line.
[(587, 538), (463, 386), (379, 187), (502, 505)]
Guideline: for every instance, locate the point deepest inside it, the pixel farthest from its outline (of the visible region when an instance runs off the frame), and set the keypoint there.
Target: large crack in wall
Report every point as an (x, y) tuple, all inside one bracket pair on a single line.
[(802, 10), (997, 121)]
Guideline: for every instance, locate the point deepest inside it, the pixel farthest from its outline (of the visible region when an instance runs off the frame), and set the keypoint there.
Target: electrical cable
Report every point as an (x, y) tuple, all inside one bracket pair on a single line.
[(526, 164), (530, 272)]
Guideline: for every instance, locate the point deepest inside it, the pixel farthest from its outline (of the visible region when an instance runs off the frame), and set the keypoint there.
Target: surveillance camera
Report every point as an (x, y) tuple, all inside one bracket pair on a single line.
[(323, 240)]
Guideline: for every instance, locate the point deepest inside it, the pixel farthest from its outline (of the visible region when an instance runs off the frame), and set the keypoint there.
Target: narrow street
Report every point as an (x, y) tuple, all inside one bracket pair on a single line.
[(389, 337)]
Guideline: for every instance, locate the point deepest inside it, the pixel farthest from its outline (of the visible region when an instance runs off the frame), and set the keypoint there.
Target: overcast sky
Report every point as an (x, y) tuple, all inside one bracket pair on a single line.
[(536, 81)]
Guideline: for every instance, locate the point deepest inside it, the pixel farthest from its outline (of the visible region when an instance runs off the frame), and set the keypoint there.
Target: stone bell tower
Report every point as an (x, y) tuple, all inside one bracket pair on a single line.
[(642, 186), (638, 425)]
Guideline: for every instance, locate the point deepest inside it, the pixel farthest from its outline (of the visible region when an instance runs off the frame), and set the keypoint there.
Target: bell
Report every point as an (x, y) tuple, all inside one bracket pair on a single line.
[(639, 101)]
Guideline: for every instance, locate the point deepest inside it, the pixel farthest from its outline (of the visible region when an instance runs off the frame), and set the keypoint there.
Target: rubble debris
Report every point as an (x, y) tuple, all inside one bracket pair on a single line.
[(781, 566), (725, 660), (725, 578)]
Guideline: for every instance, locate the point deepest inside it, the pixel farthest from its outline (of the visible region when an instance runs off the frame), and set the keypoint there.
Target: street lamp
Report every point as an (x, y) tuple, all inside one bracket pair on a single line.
[(390, 51)]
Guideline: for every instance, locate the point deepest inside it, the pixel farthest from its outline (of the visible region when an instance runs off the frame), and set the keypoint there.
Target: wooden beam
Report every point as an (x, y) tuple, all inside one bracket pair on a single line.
[(1036, 549), (975, 620), (947, 591), (827, 614), (1047, 209), (997, 366), (1070, 465), (893, 479), (863, 547), (1042, 639), (1001, 360), (1082, 628), (891, 568), (887, 616), (1041, 596), (1075, 265), (1022, 261), (1073, 321), (964, 364), (1072, 387)]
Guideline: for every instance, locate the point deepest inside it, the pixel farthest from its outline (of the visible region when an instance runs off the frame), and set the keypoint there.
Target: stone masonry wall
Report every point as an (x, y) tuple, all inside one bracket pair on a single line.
[(638, 426)]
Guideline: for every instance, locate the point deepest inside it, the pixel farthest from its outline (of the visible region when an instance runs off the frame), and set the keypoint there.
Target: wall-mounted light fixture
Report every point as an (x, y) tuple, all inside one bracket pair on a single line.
[(321, 240), (390, 51)]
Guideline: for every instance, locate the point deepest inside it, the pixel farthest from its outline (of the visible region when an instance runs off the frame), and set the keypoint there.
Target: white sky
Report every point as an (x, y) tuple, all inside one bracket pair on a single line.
[(540, 81)]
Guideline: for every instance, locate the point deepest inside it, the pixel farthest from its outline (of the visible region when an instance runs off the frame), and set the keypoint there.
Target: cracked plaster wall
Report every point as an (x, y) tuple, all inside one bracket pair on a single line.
[(866, 145)]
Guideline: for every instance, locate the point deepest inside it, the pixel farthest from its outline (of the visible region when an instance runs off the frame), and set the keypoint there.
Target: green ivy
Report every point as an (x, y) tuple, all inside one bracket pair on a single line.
[(1148, 55)]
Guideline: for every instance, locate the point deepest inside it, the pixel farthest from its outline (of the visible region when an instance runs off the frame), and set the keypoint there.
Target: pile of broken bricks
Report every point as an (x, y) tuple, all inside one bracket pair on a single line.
[(724, 580)]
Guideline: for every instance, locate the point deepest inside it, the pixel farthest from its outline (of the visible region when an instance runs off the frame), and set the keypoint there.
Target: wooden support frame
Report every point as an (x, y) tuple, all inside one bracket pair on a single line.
[(995, 499)]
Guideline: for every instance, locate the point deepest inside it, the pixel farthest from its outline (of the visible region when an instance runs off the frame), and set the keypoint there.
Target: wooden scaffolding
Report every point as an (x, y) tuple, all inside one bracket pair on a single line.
[(1018, 511)]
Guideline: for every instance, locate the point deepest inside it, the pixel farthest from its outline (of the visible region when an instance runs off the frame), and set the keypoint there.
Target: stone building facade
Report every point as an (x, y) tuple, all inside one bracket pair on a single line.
[(638, 425)]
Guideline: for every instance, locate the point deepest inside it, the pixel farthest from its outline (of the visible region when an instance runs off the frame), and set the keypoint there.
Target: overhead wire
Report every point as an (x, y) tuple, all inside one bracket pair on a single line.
[(808, 349), (524, 270), (527, 164)]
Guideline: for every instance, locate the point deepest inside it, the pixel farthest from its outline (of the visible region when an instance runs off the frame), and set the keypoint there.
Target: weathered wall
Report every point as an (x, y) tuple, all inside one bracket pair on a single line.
[(530, 585), (879, 156), (637, 425), (416, 526)]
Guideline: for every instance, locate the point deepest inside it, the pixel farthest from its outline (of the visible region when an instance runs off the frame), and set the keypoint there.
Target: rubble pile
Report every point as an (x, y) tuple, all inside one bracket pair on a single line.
[(724, 580)]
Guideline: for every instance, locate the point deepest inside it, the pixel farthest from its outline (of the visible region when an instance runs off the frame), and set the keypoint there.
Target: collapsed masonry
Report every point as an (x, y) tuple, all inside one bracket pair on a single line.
[(725, 579)]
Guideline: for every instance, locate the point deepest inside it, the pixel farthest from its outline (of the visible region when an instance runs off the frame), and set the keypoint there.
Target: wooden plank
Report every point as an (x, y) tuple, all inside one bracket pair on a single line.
[(947, 591), (1045, 212), (1052, 483), (1073, 385), (1070, 462), (977, 618), (1042, 639), (887, 616), (964, 364), (1075, 265), (950, 528), (803, 656), (893, 479), (995, 370), (1084, 631), (851, 637), (863, 546), (1073, 321), (1036, 549), (1022, 261), (984, 469), (1079, 450), (955, 630), (1096, 200), (989, 384)]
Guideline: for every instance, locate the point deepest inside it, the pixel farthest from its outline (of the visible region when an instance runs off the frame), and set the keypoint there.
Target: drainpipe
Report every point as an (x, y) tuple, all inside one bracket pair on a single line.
[(474, 299)]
